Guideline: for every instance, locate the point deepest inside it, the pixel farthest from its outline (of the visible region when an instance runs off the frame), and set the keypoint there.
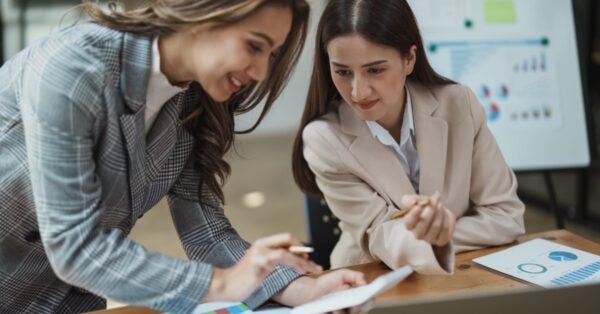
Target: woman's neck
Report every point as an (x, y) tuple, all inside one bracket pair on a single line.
[(393, 120)]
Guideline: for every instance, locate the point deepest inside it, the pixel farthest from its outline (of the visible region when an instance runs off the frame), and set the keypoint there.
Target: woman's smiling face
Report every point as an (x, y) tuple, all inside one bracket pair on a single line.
[(225, 59)]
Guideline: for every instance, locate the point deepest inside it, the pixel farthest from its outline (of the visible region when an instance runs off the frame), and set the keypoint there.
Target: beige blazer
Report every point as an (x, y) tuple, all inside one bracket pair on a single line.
[(363, 181)]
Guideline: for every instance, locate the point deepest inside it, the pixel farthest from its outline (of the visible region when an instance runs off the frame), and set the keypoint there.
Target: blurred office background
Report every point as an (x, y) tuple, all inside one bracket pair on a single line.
[(261, 197)]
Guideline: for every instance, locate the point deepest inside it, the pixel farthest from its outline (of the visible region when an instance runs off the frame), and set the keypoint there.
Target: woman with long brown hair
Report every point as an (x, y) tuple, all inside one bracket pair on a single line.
[(100, 121), (383, 135)]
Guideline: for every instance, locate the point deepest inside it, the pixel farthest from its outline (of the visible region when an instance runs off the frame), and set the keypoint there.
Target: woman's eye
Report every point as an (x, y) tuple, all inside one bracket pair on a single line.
[(343, 73), (254, 47), (375, 70)]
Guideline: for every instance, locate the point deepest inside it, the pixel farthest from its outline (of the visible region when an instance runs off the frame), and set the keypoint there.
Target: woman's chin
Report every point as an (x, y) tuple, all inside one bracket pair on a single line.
[(219, 96)]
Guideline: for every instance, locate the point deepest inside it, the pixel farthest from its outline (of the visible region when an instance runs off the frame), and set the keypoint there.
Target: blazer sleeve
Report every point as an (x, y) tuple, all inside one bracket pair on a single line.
[(208, 236), (364, 213), (497, 210), (60, 106)]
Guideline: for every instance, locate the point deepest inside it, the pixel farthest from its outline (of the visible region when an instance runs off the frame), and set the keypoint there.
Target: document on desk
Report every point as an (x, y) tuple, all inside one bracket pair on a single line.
[(331, 302), (355, 296), (545, 263), (235, 308)]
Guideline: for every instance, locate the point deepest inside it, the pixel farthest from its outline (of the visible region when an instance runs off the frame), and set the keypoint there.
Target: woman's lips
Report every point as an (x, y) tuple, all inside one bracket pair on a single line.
[(233, 88), (367, 105), (234, 84)]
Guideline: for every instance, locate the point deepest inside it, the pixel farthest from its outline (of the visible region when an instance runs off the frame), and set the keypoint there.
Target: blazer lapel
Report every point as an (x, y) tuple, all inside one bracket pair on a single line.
[(163, 135), (132, 126), (432, 139), (135, 69), (379, 161), (169, 145)]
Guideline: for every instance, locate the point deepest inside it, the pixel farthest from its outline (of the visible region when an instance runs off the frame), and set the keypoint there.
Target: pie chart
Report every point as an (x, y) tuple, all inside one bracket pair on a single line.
[(561, 256), (532, 268)]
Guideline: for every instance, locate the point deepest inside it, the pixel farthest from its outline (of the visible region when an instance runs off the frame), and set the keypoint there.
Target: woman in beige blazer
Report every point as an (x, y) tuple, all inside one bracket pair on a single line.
[(382, 130)]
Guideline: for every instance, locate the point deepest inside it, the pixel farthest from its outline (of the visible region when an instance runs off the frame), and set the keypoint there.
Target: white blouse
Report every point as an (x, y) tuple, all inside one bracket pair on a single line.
[(406, 150), (159, 89)]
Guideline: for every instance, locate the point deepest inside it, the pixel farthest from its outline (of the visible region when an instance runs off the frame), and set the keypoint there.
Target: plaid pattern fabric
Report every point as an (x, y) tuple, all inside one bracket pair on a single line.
[(77, 170)]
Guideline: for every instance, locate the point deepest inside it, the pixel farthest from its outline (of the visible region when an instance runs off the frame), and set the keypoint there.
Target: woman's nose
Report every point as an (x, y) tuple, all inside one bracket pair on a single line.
[(360, 89), (259, 69)]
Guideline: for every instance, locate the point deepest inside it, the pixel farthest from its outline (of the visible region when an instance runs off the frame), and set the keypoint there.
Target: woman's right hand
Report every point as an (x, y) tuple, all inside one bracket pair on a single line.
[(431, 222), (239, 281)]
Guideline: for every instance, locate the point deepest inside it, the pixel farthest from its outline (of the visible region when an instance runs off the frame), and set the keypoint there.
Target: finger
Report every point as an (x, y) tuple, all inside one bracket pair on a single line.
[(412, 218), (353, 278), (260, 262), (450, 224), (274, 241), (409, 200), (445, 233), (442, 237), (302, 255), (424, 223), (281, 240), (436, 197), (437, 227), (437, 221), (452, 220), (282, 256), (339, 288), (435, 200)]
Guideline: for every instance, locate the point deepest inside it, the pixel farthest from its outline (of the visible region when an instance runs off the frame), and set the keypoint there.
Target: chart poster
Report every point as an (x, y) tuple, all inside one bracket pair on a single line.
[(520, 59)]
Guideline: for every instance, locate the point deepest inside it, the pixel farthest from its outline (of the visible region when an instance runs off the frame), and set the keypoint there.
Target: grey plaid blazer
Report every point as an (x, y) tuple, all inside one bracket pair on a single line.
[(77, 171)]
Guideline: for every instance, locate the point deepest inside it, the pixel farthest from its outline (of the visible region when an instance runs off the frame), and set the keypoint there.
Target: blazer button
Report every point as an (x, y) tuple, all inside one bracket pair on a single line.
[(32, 236)]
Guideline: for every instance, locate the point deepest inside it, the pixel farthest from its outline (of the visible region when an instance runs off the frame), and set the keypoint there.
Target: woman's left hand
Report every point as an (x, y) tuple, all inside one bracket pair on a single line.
[(432, 222), (306, 289)]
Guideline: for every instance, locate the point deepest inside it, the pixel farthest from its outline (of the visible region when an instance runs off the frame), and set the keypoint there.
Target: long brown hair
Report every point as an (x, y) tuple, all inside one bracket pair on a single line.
[(390, 23), (213, 124)]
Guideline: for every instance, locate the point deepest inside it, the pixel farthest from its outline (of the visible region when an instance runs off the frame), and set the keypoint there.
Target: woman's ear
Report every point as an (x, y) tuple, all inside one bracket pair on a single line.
[(410, 60)]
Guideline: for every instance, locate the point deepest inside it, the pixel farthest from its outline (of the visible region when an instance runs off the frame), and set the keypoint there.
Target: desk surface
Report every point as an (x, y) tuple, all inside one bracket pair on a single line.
[(467, 276)]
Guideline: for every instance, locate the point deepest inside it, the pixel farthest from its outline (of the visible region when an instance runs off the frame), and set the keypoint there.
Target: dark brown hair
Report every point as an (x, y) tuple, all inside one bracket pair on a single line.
[(212, 123), (390, 23)]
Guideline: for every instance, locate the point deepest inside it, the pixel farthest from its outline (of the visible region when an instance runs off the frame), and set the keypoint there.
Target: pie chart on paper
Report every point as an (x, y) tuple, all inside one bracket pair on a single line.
[(561, 256)]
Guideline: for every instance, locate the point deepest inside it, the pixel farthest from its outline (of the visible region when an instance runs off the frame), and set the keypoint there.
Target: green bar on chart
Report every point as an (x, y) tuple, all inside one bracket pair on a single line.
[(499, 11)]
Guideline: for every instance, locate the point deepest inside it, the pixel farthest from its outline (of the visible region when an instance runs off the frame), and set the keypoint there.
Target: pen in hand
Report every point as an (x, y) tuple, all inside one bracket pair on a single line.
[(401, 213), (297, 249)]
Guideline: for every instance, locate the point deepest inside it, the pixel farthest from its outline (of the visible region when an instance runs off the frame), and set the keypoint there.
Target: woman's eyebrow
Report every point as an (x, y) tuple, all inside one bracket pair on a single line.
[(264, 36), (364, 65)]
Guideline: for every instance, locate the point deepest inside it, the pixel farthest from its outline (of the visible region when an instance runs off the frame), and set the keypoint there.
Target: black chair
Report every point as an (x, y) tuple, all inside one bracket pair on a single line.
[(323, 230)]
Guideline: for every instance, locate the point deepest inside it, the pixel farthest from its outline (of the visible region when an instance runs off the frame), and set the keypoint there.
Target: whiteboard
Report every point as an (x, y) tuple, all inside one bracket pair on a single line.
[(520, 58)]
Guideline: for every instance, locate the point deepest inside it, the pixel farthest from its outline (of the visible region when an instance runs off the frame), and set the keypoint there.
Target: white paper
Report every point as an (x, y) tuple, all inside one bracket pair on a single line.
[(355, 296), (545, 263), (213, 306), (335, 301)]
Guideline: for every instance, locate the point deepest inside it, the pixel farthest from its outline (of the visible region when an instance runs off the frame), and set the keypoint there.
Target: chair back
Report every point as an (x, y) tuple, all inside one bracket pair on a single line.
[(323, 230)]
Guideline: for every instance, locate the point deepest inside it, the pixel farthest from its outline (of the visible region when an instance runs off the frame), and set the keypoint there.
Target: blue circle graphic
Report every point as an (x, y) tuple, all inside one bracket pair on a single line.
[(532, 268), (561, 256)]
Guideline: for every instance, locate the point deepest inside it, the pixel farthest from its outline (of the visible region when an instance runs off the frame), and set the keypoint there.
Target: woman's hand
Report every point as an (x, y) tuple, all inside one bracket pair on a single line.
[(306, 289), (238, 282), (431, 222)]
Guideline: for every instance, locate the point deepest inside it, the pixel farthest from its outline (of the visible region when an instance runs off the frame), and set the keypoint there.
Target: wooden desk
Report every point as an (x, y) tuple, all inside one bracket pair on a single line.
[(467, 276)]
